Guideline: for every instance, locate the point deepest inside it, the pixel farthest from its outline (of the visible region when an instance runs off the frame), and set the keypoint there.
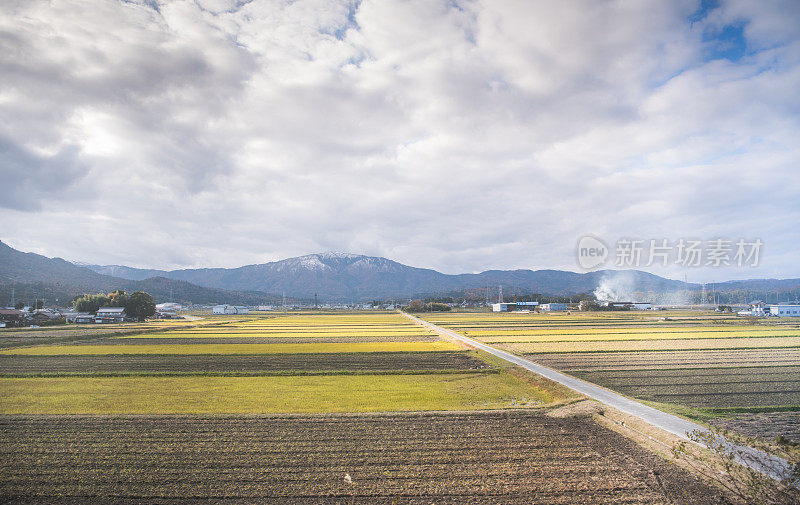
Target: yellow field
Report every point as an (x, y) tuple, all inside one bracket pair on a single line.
[(357, 347), (166, 376), (639, 335), (217, 395), (653, 345)]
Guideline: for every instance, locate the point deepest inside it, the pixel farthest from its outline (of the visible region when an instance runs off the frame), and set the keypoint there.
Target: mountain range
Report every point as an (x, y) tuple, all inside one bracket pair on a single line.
[(342, 276), (335, 277)]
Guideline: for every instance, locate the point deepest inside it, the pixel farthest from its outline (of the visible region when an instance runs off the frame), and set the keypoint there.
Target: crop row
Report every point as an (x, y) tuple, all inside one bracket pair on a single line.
[(261, 348), (669, 359), (653, 345), (241, 364), (429, 458), (203, 340)]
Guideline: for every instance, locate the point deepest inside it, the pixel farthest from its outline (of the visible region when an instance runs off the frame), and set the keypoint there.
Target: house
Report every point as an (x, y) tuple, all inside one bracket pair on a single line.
[(44, 316), (110, 315), (79, 317), (552, 307), (11, 317), (788, 310)]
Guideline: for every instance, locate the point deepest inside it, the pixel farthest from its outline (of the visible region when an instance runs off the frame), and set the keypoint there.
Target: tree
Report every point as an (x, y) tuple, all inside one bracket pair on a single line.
[(437, 307), (140, 305), (415, 306), (38, 304), (118, 298), (19, 305), (90, 303)]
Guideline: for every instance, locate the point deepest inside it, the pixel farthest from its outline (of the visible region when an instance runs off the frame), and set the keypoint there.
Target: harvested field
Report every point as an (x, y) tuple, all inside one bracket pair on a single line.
[(319, 347), (241, 364), (500, 457), (660, 360), (767, 426), (706, 388), (653, 345), (25, 337), (703, 365), (598, 335)]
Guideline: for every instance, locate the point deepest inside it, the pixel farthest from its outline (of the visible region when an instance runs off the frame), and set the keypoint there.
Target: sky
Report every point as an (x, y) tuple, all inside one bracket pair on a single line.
[(456, 135)]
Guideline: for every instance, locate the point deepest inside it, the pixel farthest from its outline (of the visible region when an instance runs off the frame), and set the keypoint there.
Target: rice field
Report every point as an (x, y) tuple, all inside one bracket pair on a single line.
[(700, 364), (262, 364), (270, 394), (155, 348)]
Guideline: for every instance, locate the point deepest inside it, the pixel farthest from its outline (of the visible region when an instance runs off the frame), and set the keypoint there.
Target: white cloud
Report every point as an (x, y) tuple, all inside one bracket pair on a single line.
[(454, 135)]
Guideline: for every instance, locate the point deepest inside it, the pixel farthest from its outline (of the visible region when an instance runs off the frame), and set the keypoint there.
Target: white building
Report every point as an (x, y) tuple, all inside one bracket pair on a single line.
[(642, 306), (513, 306), (785, 310), (229, 309), (110, 315), (552, 307)]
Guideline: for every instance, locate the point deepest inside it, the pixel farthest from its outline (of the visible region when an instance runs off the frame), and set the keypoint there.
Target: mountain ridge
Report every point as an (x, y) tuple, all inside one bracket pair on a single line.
[(347, 276)]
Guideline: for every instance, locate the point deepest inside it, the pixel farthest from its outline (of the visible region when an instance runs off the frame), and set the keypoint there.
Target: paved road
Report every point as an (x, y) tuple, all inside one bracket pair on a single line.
[(667, 422)]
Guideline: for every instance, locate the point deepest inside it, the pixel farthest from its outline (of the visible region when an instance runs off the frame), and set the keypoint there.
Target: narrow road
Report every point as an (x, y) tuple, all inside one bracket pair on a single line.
[(667, 422)]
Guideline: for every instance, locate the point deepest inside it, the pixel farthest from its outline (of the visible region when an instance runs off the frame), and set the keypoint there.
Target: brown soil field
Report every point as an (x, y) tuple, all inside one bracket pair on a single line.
[(766, 426), (504, 457), (706, 388), (22, 337), (242, 364), (591, 361)]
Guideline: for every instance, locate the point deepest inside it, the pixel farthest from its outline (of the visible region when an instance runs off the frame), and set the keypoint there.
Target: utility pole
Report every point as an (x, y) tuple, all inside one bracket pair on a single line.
[(315, 301), (13, 302)]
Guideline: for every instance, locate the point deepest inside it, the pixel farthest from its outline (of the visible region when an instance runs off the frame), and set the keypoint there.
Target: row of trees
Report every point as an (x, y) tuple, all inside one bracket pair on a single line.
[(138, 304), (420, 306)]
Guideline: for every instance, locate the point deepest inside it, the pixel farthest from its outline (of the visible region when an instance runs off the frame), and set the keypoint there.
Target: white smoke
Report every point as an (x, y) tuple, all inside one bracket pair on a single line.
[(621, 287), (616, 287)]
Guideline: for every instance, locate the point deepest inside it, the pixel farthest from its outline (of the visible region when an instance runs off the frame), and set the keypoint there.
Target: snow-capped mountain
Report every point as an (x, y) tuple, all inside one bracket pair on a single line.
[(343, 276)]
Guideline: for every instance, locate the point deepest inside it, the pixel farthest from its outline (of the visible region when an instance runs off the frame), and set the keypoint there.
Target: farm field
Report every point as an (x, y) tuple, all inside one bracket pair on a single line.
[(698, 364), (484, 457), (331, 363), (14, 337)]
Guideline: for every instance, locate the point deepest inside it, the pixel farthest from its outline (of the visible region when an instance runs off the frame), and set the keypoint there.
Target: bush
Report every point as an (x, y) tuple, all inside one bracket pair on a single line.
[(726, 467), (437, 307)]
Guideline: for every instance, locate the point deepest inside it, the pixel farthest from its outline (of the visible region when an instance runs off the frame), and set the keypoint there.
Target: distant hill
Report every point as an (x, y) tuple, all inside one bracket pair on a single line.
[(32, 275), (340, 277), (344, 277)]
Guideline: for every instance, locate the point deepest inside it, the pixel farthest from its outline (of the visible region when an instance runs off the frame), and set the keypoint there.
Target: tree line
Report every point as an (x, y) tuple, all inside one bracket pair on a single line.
[(138, 305)]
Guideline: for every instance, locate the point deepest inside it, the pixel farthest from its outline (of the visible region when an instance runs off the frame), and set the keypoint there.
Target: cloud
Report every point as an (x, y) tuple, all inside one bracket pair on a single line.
[(454, 135)]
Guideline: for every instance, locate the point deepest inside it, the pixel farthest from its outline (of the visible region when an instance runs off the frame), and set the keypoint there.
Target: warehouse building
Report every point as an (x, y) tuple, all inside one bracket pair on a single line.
[(553, 307), (513, 306), (785, 310)]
